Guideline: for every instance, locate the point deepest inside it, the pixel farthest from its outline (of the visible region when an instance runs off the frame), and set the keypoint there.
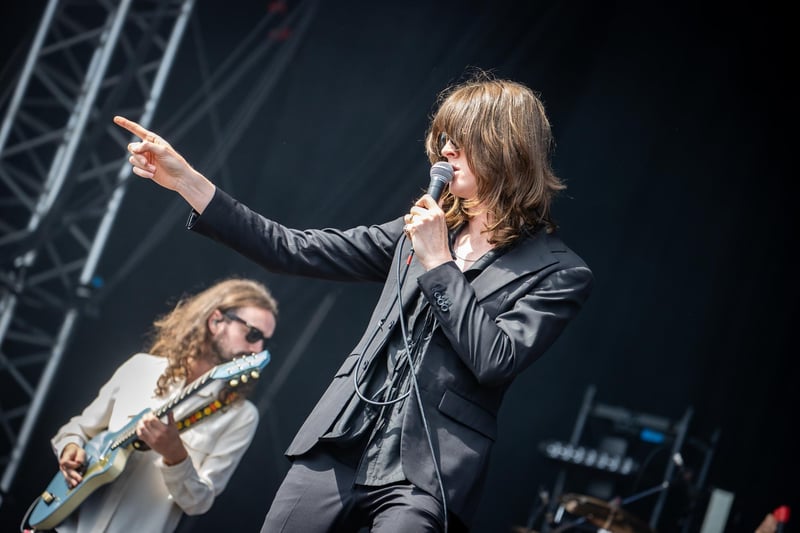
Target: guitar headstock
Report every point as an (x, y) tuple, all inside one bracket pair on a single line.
[(241, 369)]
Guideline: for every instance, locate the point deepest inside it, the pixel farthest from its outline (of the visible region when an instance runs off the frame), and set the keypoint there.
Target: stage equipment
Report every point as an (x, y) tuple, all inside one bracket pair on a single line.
[(606, 516), (611, 454)]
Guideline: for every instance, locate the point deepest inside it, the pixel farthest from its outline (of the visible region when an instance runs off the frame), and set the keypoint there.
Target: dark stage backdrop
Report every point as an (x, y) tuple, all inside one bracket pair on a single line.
[(673, 126)]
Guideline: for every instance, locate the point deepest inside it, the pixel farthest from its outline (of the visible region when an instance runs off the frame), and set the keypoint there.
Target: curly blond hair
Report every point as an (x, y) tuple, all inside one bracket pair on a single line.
[(183, 333)]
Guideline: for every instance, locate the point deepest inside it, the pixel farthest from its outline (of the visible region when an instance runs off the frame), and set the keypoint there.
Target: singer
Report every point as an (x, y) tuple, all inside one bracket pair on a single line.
[(476, 287)]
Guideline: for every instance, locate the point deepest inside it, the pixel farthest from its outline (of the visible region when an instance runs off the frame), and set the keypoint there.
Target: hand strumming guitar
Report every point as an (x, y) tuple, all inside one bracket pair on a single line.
[(71, 464)]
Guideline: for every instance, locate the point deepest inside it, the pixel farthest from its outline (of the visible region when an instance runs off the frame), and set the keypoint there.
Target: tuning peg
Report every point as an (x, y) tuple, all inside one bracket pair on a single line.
[(255, 374), (244, 378), (234, 382)]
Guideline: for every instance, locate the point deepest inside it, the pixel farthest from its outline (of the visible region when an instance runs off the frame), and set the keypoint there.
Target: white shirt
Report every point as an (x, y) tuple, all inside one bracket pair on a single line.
[(149, 495)]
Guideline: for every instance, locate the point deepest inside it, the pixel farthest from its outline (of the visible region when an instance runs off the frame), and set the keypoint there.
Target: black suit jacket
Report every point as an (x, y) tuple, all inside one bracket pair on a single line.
[(487, 331)]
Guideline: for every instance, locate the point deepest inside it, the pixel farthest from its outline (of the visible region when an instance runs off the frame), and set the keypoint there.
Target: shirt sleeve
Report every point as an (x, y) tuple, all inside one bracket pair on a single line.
[(214, 455)]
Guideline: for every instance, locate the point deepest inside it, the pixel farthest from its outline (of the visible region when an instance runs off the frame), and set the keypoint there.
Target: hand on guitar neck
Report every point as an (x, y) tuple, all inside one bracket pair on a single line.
[(163, 438)]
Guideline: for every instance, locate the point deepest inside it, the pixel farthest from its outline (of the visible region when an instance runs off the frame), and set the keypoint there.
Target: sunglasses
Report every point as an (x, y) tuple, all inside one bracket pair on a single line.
[(253, 333), (444, 138)]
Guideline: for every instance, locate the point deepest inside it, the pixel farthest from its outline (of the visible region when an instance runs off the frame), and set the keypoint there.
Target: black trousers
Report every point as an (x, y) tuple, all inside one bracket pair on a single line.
[(318, 496)]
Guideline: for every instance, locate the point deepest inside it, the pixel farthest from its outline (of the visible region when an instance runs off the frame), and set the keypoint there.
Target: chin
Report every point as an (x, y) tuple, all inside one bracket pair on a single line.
[(463, 195)]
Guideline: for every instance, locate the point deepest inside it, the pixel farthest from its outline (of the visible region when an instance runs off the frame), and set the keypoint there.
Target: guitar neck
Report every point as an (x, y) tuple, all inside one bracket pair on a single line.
[(187, 391), (128, 434)]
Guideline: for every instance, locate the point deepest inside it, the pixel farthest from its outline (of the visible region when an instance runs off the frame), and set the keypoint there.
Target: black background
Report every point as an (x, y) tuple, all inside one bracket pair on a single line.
[(673, 132)]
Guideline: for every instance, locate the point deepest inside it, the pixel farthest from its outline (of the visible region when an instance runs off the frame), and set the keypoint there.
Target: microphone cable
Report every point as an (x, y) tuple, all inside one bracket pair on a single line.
[(413, 377)]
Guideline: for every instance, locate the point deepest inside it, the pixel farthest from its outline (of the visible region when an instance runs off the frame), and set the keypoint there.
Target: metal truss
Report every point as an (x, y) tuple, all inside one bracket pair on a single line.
[(63, 176)]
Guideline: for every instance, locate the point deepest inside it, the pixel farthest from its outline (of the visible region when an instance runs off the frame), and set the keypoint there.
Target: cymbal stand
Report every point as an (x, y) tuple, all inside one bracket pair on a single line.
[(614, 503), (544, 500)]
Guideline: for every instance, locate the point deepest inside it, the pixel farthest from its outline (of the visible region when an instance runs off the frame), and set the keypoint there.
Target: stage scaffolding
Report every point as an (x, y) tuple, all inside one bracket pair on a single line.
[(63, 174), (64, 167)]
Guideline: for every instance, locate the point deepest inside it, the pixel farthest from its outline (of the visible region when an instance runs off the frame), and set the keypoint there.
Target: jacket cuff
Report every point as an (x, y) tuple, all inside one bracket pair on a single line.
[(220, 203)]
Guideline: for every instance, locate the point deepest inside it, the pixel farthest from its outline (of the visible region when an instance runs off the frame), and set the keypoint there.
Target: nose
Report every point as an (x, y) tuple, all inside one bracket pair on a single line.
[(448, 150), (255, 347)]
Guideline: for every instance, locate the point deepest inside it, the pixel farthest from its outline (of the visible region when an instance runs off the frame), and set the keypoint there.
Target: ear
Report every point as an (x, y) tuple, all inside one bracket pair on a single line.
[(214, 321)]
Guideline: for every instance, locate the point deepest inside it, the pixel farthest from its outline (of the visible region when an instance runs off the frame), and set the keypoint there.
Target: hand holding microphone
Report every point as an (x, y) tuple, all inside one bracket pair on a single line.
[(425, 224)]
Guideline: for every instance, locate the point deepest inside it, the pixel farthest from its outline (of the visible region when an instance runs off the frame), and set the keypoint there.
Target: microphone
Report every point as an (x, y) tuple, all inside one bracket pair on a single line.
[(441, 175), (781, 515)]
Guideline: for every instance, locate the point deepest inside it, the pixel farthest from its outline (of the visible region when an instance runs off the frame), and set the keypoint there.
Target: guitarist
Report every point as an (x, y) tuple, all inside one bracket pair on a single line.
[(183, 471)]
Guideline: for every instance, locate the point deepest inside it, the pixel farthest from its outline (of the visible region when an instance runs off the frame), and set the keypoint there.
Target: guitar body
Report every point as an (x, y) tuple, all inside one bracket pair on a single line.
[(104, 463)]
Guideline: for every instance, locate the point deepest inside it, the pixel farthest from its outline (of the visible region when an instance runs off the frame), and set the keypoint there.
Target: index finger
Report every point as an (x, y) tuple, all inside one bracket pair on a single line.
[(134, 127)]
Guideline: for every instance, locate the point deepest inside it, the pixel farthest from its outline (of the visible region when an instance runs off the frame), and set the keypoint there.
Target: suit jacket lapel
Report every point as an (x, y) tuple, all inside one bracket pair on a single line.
[(527, 256)]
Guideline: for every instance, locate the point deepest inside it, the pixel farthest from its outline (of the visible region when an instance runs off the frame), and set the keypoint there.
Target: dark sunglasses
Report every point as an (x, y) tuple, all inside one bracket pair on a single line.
[(444, 138), (253, 333)]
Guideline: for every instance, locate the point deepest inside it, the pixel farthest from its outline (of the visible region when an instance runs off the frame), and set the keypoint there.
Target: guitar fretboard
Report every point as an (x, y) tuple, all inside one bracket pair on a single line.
[(129, 434)]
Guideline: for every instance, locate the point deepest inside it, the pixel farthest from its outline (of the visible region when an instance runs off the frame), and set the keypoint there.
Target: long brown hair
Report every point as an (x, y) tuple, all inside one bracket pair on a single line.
[(502, 127), (183, 332)]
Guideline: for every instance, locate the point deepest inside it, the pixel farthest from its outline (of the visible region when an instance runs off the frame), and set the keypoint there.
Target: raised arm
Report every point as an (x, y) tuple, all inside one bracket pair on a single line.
[(155, 159)]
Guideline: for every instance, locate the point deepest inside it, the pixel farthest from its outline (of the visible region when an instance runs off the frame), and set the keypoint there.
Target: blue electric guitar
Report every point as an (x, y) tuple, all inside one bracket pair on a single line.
[(107, 453)]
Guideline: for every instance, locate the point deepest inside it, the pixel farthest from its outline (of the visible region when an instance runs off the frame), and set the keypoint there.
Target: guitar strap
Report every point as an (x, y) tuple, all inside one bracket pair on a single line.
[(225, 398)]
